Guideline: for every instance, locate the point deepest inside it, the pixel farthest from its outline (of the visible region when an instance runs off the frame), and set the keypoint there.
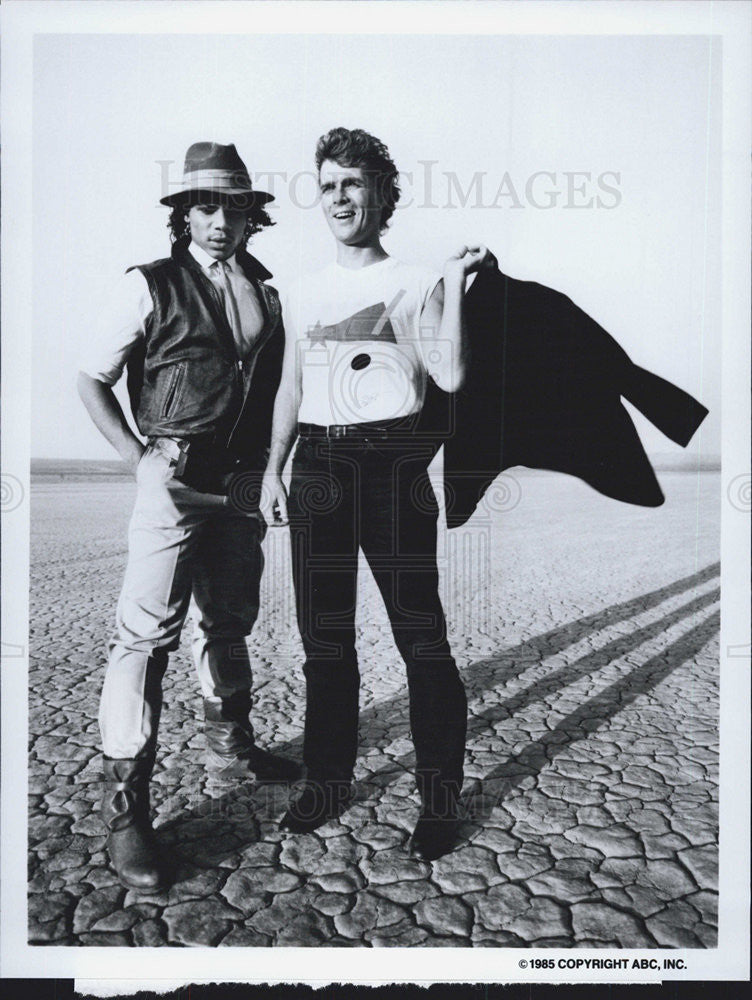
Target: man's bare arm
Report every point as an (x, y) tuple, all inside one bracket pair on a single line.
[(108, 416), (443, 318), (284, 432)]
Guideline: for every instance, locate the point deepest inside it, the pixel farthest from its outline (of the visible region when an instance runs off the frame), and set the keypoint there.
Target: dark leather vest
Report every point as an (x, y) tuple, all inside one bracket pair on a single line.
[(185, 379)]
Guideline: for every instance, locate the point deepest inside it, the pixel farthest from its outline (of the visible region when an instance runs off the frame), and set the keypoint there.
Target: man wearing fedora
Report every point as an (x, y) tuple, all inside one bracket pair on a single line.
[(202, 337)]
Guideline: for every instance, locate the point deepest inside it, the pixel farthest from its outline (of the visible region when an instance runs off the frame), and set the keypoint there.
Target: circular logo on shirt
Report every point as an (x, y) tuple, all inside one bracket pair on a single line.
[(360, 361), (377, 381)]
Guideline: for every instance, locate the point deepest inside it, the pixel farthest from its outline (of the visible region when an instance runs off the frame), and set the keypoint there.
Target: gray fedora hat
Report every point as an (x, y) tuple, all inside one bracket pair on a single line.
[(216, 173)]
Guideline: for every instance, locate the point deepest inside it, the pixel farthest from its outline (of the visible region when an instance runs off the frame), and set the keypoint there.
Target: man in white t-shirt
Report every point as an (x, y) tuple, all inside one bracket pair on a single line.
[(362, 339)]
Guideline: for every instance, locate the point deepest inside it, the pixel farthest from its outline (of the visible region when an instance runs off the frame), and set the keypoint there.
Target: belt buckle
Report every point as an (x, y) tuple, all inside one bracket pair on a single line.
[(174, 449)]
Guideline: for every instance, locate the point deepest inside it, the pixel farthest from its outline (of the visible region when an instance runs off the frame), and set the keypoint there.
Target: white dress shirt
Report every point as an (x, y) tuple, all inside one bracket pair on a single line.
[(132, 305)]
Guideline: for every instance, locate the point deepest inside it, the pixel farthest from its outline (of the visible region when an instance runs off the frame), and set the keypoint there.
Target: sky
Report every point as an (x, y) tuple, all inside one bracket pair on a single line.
[(589, 164)]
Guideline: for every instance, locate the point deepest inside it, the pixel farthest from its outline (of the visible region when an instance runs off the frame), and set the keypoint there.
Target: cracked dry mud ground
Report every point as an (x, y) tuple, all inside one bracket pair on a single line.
[(587, 635)]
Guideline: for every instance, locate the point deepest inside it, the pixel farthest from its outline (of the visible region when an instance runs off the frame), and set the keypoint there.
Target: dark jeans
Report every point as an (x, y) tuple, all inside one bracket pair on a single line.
[(375, 495)]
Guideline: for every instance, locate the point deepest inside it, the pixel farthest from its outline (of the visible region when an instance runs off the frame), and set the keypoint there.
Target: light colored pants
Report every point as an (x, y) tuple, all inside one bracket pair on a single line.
[(180, 542)]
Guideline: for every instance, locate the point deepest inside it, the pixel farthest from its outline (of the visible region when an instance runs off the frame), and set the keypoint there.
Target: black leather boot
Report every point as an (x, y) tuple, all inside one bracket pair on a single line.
[(435, 833), (131, 844), (433, 836), (231, 752), (319, 801)]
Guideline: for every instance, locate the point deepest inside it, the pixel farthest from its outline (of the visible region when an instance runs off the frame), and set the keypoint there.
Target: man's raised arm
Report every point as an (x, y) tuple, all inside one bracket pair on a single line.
[(443, 317)]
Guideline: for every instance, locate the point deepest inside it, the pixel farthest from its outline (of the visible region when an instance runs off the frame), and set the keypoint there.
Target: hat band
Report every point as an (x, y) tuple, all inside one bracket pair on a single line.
[(217, 180)]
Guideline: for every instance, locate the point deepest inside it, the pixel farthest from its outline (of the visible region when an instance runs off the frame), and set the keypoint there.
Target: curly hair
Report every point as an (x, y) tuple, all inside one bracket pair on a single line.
[(356, 148), (257, 218)]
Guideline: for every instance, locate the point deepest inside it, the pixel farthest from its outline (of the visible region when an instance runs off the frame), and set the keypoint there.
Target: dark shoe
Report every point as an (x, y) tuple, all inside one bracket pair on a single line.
[(125, 812), (232, 754), (317, 803), (433, 837)]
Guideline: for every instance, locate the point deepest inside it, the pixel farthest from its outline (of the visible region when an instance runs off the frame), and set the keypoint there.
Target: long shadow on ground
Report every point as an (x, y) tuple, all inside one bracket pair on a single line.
[(594, 714), (229, 824)]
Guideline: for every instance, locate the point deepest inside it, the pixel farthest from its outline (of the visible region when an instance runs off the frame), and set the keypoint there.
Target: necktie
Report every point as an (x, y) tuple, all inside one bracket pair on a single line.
[(221, 268)]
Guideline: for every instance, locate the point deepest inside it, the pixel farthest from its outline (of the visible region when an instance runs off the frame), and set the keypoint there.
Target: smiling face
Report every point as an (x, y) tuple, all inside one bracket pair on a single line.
[(351, 204), (216, 229)]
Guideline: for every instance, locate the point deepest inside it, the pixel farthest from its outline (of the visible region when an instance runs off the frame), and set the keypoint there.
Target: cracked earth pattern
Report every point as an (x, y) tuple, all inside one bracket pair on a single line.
[(587, 635)]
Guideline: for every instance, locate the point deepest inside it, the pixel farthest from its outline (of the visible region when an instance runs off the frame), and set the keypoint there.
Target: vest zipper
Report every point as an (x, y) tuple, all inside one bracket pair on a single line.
[(257, 347)]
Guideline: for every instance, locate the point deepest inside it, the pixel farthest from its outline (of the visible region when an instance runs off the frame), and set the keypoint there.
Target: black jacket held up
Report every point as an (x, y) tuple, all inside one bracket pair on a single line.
[(543, 390)]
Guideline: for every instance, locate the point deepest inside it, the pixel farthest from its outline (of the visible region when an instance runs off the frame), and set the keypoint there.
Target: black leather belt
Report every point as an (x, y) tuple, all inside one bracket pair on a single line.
[(208, 444), (376, 431)]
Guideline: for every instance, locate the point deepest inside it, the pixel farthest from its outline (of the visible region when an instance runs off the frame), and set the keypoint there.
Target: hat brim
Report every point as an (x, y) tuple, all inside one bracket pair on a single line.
[(240, 198)]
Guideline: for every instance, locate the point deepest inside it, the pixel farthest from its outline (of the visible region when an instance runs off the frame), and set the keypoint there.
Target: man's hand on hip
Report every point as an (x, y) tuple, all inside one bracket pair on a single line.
[(132, 453), (107, 414)]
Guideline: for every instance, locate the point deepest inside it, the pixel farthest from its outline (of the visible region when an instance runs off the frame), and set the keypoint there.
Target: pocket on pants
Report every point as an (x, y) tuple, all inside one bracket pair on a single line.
[(154, 464), (144, 454)]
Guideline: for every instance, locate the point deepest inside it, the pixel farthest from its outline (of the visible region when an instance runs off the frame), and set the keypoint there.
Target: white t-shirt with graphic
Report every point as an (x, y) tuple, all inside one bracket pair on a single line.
[(358, 337)]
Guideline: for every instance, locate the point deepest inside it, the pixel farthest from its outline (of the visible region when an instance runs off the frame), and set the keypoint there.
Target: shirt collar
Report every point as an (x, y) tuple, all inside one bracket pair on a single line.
[(205, 260)]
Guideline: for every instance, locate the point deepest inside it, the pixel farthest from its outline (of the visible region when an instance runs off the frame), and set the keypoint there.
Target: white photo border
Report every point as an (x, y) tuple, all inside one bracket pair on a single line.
[(21, 21)]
